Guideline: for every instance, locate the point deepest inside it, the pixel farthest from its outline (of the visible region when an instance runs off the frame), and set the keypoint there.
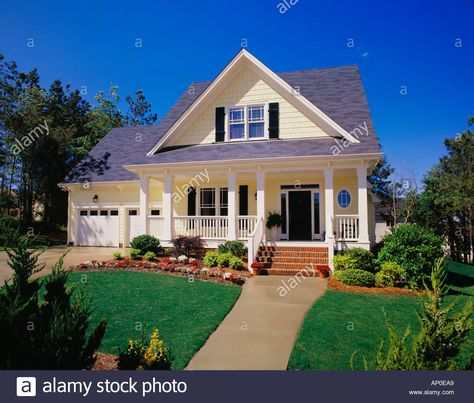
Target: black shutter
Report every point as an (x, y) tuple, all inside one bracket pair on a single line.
[(243, 200), (273, 120), (220, 124), (192, 202)]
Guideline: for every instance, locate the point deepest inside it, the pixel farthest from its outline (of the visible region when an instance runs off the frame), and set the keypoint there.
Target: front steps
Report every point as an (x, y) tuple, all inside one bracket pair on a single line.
[(292, 260)]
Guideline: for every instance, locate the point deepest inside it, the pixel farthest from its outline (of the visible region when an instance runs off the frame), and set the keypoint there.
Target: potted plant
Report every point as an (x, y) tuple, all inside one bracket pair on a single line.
[(324, 271), (274, 221)]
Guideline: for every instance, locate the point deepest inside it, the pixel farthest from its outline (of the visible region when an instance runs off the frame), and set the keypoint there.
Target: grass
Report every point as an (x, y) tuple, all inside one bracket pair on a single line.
[(186, 313), (341, 323)]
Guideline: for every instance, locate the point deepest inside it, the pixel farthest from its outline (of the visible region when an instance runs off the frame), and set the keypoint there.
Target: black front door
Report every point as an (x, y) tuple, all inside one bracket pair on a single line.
[(300, 215)]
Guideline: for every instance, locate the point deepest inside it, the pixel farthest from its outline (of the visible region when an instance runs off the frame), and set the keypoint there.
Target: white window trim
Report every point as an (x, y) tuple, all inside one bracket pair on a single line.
[(217, 200), (246, 122), (350, 196)]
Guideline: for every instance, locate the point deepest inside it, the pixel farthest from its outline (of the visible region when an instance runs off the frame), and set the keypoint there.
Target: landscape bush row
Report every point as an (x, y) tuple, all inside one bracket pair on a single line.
[(404, 258)]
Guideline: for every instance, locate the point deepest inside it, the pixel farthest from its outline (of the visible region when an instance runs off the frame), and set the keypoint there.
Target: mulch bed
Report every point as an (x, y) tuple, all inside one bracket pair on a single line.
[(105, 362), (334, 284)]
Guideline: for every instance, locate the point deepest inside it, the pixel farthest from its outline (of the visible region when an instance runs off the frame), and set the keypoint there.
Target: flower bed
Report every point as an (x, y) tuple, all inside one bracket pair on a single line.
[(174, 266)]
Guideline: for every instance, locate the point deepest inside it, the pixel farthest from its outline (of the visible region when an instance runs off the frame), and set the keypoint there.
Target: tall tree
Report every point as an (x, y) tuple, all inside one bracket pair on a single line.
[(449, 195), (139, 112)]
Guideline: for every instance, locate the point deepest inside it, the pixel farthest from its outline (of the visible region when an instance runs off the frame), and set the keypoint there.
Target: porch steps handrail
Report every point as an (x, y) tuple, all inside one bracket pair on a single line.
[(245, 226), (254, 240)]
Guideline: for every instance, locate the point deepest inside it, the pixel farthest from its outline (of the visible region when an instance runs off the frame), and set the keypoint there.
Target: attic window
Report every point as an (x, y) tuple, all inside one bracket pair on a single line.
[(246, 122)]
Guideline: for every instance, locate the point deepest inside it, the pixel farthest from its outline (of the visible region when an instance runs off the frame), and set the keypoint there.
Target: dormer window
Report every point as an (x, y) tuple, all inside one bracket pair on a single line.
[(246, 122)]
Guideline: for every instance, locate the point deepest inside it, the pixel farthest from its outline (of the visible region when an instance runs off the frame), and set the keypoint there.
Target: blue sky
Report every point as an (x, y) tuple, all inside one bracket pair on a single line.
[(397, 43)]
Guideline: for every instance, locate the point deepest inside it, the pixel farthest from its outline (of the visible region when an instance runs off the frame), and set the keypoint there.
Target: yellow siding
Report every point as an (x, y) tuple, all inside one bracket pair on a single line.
[(349, 183), (248, 88)]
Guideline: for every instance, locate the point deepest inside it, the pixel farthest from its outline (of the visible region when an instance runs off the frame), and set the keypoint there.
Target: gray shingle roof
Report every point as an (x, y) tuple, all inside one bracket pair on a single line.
[(337, 91)]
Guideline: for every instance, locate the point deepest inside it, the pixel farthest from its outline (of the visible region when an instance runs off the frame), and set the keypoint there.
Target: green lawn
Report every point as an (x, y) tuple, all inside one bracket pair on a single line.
[(341, 323), (185, 312)]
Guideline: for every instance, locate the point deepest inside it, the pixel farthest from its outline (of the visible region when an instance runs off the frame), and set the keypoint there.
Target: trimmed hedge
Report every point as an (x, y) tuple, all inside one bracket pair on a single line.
[(356, 277), (391, 274), (146, 243), (355, 258)]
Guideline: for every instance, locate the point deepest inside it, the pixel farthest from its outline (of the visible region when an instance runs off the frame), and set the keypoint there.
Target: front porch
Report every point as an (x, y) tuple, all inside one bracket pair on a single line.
[(320, 205)]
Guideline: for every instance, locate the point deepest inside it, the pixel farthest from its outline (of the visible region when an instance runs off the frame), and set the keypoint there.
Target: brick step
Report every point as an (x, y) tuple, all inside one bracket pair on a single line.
[(288, 259), (274, 263), (294, 248), (292, 254), (287, 272), (297, 266)]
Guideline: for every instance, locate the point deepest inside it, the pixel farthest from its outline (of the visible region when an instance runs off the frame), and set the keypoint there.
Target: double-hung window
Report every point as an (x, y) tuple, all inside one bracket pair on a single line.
[(246, 122), (256, 122), (237, 123), (208, 201)]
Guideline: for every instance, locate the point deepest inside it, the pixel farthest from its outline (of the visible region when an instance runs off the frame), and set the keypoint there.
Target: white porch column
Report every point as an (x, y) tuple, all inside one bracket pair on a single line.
[(261, 197), (363, 207), (329, 211), (144, 199), (167, 207), (232, 203)]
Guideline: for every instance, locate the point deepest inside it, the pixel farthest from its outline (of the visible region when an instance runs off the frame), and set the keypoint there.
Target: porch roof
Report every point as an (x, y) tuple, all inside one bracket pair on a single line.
[(338, 92)]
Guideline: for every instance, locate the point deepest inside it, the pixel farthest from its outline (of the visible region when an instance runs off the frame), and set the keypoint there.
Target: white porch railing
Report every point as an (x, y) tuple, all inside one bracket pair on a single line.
[(347, 227), (245, 226), (155, 226), (254, 241), (215, 227)]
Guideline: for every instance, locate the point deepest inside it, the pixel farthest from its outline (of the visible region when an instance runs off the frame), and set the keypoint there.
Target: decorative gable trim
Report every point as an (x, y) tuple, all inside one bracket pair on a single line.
[(241, 60)]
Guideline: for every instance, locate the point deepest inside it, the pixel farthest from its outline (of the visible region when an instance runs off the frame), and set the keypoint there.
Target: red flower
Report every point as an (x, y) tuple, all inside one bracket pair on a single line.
[(165, 260)]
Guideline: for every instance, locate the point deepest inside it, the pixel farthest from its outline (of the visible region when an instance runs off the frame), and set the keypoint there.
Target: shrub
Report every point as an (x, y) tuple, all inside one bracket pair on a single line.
[(391, 274), (354, 258), (414, 248), (356, 277), (237, 248), (146, 243), (211, 259), (188, 245), (134, 254), (236, 263), (223, 259), (149, 256), (117, 255), (155, 356)]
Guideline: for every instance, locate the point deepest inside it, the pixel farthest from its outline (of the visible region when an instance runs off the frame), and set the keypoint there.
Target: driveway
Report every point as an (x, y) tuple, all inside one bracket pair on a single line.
[(51, 255), (260, 330)]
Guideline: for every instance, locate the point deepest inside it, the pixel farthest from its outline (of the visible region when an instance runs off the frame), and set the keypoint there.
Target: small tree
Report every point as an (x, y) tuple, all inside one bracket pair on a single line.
[(442, 333), (49, 333)]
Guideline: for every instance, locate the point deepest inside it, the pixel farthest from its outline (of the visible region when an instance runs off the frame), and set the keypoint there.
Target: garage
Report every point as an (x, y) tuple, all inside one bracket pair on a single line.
[(98, 227)]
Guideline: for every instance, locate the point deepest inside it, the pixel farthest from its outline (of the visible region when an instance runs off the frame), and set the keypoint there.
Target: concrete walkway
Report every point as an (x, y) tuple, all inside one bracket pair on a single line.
[(51, 255), (260, 330)]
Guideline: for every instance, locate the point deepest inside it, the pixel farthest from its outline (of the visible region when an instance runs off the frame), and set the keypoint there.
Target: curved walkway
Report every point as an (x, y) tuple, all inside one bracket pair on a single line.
[(260, 330)]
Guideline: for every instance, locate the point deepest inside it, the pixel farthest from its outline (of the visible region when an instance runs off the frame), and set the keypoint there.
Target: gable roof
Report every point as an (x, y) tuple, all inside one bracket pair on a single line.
[(338, 92), (242, 60)]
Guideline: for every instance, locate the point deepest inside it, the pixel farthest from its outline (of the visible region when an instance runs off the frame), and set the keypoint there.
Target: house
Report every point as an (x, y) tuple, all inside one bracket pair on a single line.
[(229, 152)]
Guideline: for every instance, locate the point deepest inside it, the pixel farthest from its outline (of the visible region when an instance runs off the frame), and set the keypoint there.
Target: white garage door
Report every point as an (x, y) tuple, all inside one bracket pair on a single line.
[(133, 225), (98, 228)]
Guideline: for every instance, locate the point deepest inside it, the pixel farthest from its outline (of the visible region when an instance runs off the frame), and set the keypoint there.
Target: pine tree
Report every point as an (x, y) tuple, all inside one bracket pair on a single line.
[(443, 330)]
